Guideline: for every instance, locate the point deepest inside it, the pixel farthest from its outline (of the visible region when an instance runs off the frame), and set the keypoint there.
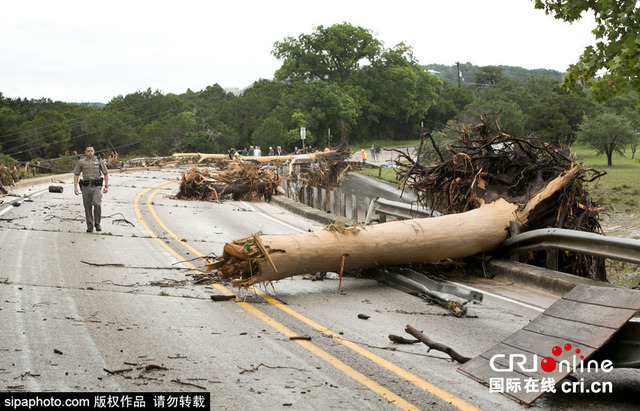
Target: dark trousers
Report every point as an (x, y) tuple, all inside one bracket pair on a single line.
[(92, 198)]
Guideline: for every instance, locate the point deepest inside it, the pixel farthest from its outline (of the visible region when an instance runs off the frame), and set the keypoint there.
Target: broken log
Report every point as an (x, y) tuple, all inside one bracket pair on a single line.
[(396, 339), (391, 243), (425, 240), (262, 159)]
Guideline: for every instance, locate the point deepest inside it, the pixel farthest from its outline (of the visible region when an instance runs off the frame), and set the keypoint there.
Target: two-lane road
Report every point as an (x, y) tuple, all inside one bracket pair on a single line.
[(116, 311)]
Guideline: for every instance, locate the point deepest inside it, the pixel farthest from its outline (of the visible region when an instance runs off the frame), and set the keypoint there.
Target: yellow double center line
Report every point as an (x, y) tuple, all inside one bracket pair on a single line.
[(361, 378)]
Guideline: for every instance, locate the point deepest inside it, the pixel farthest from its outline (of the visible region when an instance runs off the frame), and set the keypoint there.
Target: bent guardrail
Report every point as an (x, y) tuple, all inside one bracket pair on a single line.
[(403, 211), (622, 249)]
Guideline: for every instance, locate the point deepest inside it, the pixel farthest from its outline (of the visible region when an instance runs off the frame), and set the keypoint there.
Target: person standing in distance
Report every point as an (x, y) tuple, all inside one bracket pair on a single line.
[(92, 171)]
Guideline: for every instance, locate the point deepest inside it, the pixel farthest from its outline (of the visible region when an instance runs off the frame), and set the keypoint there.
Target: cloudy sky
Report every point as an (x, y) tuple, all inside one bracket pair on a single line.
[(87, 51)]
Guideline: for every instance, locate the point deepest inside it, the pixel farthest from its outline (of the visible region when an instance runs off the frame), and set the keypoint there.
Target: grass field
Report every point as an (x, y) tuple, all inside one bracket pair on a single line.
[(386, 174), (620, 187)]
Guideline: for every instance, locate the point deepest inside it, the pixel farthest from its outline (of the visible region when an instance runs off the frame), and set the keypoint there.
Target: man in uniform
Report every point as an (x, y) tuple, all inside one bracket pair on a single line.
[(92, 171)]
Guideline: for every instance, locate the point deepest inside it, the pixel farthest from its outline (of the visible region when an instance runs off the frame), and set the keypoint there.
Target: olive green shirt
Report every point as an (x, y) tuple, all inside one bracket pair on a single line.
[(90, 169)]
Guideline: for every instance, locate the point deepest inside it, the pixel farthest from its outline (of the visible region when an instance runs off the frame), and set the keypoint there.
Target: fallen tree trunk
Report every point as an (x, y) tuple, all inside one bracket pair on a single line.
[(262, 159), (383, 244), (261, 258)]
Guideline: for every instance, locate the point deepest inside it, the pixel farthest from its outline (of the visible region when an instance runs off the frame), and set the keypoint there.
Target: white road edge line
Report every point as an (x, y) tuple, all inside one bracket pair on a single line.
[(272, 218), (9, 206), (532, 307)]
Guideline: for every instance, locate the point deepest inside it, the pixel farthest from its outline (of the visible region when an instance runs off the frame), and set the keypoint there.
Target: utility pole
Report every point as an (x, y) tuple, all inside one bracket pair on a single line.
[(458, 65)]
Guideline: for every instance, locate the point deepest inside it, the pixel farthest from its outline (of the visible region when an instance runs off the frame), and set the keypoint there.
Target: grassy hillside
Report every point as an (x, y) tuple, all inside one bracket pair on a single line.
[(468, 72)]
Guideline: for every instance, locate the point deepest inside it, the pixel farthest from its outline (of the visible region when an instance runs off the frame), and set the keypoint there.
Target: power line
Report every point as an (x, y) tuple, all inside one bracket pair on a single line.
[(13, 152), (73, 123), (79, 121)]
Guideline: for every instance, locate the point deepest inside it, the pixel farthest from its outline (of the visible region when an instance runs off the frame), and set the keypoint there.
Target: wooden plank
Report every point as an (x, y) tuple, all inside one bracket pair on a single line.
[(603, 316), (543, 345), (586, 319), (581, 333), (477, 370), (514, 383), (532, 363), (607, 296)]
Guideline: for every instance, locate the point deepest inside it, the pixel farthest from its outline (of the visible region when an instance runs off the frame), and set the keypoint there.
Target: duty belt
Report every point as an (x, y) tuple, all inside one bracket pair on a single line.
[(93, 183)]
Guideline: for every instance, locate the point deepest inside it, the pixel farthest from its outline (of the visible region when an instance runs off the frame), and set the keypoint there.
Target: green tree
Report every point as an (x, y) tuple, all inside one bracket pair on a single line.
[(164, 135), (47, 135), (556, 113), (612, 64), (270, 133), (246, 114), (398, 93), (607, 133), (508, 100), (332, 107), (489, 75), (626, 105), (451, 100), (329, 53)]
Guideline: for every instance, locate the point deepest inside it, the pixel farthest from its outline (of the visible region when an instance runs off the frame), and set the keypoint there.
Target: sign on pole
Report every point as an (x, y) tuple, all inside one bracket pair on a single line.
[(303, 135)]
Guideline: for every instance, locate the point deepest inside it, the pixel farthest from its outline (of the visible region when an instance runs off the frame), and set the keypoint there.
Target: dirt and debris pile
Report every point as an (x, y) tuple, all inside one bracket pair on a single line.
[(239, 181)]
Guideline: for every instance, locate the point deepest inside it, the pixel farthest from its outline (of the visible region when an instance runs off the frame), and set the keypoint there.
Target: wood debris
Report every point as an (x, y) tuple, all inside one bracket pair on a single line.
[(239, 181), (436, 346), (485, 164), (484, 181)]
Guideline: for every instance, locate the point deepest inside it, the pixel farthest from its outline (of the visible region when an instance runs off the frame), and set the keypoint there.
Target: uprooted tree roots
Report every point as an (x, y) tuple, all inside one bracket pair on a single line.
[(485, 164), (254, 178), (240, 181)]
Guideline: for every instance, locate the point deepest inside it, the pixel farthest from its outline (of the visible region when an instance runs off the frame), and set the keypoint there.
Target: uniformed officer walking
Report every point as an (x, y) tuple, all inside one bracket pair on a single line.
[(92, 171)]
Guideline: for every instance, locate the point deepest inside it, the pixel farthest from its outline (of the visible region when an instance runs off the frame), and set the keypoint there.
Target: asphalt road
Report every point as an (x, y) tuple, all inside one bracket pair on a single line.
[(117, 311)]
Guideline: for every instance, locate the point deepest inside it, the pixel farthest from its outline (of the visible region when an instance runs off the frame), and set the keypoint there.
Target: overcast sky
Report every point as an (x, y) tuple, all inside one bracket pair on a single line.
[(88, 51)]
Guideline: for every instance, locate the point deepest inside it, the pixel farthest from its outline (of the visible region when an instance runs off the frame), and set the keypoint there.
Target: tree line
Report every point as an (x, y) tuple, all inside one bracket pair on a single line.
[(341, 84)]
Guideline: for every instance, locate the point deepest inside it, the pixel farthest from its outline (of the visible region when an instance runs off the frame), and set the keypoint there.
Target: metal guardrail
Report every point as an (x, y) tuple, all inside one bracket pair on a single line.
[(403, 211), (622, 249)]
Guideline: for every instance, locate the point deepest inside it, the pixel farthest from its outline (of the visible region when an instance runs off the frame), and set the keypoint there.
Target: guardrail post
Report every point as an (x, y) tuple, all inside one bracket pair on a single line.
[(599, 269), (514, 229), (552, 260), (367, 202), (332, 201), (323, 199), (314, 203), (354, 207)]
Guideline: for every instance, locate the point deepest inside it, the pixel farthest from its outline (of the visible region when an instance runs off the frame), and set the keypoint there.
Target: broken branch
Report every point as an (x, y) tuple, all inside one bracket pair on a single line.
[(436, 346)]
